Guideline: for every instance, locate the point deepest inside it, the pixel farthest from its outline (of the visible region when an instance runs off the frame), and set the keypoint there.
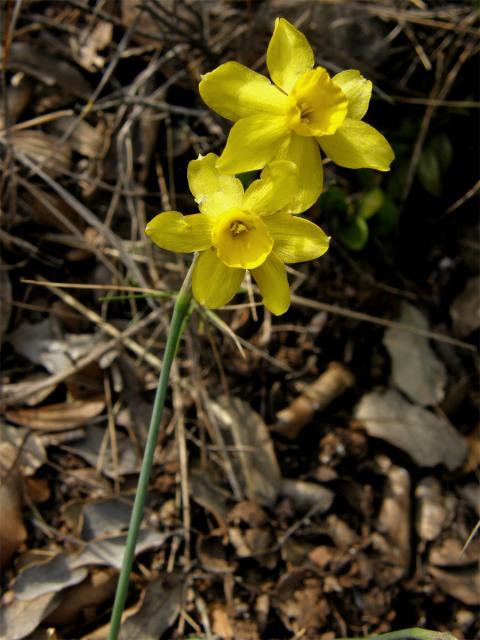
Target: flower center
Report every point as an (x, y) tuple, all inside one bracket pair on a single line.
[(238, 227), (241, 239), (317, 106)]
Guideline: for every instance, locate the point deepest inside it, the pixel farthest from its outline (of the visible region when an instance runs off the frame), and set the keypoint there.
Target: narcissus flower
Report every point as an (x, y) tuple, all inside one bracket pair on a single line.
[(238, 230), (289, 119)]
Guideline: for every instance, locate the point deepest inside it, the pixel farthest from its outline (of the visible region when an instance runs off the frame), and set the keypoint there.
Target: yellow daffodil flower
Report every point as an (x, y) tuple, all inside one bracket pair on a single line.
[(238, 230), (289, 119)]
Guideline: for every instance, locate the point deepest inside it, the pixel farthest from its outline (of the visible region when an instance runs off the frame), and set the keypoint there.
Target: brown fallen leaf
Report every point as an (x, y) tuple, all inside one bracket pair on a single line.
[(307, 495), (12, 532), (56, 417), (316, 397), (159, 607), (98, 587), (254, 459), (38, 146), (427, 437), (19, 618), (461, 584)]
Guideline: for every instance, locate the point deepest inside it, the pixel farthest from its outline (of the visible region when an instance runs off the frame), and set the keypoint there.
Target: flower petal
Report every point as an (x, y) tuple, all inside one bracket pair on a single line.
[(272, 281), (288, 54), (274, 189), (304, 152), (252, 143), (173, 231), (296, 239), (235, 92), (357, 145), (213, 283), (213, 191), (358, 91)]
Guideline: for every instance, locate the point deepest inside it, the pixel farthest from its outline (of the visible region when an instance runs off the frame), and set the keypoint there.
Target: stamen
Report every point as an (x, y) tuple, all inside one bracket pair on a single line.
[(237, 227)]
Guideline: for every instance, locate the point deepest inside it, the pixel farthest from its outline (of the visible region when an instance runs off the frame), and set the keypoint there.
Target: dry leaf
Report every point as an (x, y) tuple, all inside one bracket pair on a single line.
[(159, 608), (12, 532), (57, 417), (98, 587), (19, 618), (416, 370), (254, 457), (429, 439), (38, 146), (307, 495)]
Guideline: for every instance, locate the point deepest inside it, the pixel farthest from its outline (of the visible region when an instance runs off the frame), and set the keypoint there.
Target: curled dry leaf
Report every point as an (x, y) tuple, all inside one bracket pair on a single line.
[(416, 370), (428, 438), (316, 397), (57, 417)]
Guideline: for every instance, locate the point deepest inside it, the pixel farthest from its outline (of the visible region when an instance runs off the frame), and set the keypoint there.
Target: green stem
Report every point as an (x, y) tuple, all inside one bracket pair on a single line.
[(409, 634), (180, 314)]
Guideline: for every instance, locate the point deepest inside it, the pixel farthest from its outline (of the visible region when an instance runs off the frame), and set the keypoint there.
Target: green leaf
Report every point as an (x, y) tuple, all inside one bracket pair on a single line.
[(370, 203), (429, 172), (333, 202), (386, 219), (354, 233), (442, 147)]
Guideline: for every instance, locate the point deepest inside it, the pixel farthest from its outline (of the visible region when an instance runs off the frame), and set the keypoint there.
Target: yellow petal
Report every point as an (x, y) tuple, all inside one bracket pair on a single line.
[(288, 54), (213, 191), (235, 92), (271, 278), (358, 91), (213, 283), (274, 189), (252, 143), (296, 239), (304, 152), (241, 239), (175, 232), (357, 145)]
